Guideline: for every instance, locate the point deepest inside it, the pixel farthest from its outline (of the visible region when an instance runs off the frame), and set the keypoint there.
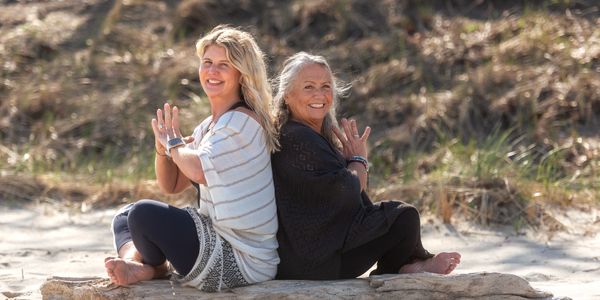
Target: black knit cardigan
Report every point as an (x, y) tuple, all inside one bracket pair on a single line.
[(321, 210)]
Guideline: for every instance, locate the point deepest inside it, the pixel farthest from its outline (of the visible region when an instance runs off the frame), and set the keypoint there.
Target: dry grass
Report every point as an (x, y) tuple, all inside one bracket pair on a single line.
[(82, 193), (437, 81)]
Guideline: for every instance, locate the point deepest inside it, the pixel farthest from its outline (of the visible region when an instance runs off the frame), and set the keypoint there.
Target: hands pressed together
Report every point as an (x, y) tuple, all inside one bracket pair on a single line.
[(166, 126)]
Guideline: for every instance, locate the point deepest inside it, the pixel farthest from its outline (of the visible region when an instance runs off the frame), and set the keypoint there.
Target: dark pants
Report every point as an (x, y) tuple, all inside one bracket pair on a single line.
[(390, 251), (159, 232)]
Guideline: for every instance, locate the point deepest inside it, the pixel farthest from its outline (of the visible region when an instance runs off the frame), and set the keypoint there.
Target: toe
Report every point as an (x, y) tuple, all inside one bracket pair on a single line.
[(450, 268), (109, 265)]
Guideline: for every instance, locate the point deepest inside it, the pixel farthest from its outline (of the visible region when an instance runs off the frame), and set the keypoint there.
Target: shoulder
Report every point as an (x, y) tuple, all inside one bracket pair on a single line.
[(248, 112), (237, 122), (292, 131), (304, 149), (295, 136)]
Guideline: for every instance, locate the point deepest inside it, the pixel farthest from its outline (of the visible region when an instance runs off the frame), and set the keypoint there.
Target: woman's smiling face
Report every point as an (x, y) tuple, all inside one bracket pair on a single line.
[(219, 78), (311, 95)]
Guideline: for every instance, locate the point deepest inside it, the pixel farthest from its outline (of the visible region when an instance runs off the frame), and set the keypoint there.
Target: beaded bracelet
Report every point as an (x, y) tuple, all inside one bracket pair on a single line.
[(360, 159)]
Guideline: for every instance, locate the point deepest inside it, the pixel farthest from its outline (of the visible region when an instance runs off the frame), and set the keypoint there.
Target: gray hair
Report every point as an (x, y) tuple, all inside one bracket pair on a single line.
[(291, 67)]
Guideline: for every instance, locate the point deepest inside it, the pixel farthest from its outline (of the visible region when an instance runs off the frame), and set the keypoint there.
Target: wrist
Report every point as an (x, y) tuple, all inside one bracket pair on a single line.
[(360, 159), (173, 144), (174, 151), (161, 153), (159, 148)]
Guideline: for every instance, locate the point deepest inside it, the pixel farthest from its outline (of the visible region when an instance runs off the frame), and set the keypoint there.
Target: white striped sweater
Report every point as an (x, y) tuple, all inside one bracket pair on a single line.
[(239, 196)]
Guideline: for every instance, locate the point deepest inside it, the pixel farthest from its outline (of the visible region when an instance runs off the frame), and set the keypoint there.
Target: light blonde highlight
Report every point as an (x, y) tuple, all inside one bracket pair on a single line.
[(244, 54)]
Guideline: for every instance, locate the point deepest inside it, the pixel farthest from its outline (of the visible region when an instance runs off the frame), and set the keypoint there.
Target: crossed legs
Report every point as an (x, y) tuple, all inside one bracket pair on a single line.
[(130, 268), (395, 252), (147, 235), (441, 263)]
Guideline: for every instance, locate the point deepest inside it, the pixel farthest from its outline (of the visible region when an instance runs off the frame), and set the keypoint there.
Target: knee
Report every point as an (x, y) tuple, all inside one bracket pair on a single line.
[(412, 213), (142, 212), (119, 220), (410, 220)]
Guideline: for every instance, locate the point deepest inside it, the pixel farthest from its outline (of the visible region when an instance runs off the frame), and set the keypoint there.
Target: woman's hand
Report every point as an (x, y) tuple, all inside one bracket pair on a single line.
[(168, 173), (167, 127), (352, 143)]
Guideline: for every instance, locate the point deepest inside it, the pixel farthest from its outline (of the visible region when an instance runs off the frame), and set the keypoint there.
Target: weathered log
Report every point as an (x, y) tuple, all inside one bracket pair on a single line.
[(405, 286)]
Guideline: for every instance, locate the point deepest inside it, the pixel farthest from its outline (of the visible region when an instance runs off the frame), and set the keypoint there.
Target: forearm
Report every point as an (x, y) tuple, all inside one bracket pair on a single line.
[(167, 175), (189, 164), (360, 171)]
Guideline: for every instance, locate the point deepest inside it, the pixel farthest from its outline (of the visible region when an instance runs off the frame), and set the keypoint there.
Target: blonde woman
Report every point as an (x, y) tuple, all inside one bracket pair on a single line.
[(229, 240)]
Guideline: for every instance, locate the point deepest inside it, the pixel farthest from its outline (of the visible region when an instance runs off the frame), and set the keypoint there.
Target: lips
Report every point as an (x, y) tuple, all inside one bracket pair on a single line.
[(317, 105), (213, 82)]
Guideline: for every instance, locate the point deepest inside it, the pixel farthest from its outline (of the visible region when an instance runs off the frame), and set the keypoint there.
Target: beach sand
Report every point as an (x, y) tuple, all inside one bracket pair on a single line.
[(45, 240)]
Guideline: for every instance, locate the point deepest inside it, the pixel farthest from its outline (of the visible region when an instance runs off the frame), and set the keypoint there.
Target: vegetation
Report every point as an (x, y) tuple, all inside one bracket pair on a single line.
[(486, 109)]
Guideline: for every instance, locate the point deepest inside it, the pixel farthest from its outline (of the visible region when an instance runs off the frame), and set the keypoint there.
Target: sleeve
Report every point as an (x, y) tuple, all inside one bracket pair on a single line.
[(198, 134), (317, 196), (310, 160), (237, 169)]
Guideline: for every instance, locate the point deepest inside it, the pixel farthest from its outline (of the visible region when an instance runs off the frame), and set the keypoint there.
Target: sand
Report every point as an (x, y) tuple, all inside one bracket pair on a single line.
[(49, 240)]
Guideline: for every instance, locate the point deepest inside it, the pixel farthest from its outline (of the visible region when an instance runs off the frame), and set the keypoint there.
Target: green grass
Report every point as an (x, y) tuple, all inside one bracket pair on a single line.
[(105, 167), (499, 156), (479, 74)]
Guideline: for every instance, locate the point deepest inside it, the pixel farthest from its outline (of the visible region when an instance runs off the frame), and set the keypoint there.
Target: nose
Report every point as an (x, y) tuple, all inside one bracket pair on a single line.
[(322, 92), (211, 69)]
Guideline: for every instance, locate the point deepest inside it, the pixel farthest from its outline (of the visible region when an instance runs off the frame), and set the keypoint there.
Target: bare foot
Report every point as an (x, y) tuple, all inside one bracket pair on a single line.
[(125, 272), (442, 263)]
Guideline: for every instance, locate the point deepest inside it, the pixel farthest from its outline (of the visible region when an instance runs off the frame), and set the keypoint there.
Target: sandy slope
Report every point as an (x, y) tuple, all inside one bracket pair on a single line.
[(52, 241)]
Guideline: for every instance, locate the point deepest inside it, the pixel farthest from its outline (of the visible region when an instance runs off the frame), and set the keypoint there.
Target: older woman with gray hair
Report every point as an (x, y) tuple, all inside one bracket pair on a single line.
[(328, 226)]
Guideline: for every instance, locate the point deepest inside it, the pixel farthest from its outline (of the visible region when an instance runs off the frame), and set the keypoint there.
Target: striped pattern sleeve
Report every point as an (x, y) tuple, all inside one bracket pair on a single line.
[(237, 168), (199, 133)]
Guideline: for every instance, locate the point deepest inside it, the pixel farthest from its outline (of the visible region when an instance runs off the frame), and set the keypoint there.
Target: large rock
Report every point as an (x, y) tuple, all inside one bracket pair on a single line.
[(404, 286)]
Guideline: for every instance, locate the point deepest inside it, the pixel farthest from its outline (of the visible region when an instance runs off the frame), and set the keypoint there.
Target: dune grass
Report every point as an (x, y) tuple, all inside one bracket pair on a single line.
[(492, 106)]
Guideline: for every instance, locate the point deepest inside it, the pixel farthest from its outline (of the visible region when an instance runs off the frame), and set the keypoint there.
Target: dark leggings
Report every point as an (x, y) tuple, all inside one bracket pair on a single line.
[(159, 232), (390, 251)]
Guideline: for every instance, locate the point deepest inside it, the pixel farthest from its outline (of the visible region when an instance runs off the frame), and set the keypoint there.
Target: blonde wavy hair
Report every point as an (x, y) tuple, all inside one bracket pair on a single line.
[(289, 73), (245, 55)]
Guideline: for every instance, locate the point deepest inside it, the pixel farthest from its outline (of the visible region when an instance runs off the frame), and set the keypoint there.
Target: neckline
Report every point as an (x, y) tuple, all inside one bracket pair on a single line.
[(237, 104), (300, 123), (332, 147), (212, 125)]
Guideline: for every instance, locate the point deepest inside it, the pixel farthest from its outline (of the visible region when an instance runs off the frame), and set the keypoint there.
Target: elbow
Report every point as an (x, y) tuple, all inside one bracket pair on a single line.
[(199, 178), (164, 189)]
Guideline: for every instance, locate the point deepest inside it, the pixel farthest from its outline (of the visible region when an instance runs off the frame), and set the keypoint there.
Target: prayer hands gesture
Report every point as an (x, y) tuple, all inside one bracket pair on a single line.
[(167, 127), (352, 143)]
